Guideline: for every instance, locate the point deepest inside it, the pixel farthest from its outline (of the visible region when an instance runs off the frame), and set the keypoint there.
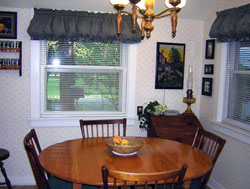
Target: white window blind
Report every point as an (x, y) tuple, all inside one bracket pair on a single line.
[(80, 78), (237, 88)]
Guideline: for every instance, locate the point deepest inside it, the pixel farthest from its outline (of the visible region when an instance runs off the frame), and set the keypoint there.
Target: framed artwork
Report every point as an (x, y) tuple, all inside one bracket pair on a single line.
[(209, 69), (210, 46), (207, 86), (170, 59), (8, 25)]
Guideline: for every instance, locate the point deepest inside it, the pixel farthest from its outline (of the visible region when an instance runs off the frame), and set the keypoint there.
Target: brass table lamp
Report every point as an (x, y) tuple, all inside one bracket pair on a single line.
[(189, 99)]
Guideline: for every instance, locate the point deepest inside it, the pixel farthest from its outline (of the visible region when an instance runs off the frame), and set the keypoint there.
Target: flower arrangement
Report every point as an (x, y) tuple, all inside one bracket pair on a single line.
[(153, 108)]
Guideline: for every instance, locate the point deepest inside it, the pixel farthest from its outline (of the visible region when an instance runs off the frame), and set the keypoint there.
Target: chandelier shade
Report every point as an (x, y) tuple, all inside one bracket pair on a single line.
[(146, 13)]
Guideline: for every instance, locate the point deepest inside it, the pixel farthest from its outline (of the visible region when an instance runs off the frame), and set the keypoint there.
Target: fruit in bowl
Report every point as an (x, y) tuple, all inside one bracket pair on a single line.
[(118, 141), (124, 145)]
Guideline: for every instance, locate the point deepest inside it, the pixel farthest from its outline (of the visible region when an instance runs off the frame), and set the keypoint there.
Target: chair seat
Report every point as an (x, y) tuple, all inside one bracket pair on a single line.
[(196, 184), (57, 183), (4, 154), (168, 186)]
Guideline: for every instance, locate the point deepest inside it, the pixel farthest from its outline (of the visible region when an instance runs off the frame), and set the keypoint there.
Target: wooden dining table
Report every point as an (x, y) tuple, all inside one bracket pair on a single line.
[(80, 160)]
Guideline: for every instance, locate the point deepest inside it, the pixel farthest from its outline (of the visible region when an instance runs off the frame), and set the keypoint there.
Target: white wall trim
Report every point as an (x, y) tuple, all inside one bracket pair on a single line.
[(213, 184), (220, 79), (131, 80), (34, 79), (22, 180), (70, 122), (232, 131)]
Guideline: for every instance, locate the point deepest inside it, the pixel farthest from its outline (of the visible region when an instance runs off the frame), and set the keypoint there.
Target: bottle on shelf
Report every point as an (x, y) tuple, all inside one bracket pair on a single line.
[(11, 62)]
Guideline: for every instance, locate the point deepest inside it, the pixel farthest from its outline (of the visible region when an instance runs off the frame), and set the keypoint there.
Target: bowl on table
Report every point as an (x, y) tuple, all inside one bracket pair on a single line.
[(134, 144)]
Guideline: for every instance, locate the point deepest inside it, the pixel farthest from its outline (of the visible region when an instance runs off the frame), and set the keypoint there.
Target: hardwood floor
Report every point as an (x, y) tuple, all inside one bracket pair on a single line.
[(20, 187), (35, 187)]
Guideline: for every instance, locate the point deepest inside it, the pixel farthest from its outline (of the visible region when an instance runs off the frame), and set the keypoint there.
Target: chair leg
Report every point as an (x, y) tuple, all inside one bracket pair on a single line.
[(205, 180), (7, 181)]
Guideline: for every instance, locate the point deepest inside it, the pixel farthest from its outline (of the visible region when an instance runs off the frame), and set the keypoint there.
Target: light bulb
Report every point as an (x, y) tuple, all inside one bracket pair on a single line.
[(56, 62), (141, 5), (119, 2), (149, 3), (181, 5)]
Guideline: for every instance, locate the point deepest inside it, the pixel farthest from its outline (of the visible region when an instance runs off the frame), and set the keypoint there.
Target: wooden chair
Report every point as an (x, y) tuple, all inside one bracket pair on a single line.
[(212, 145), (161, 179), (43, 180), (108, 128)]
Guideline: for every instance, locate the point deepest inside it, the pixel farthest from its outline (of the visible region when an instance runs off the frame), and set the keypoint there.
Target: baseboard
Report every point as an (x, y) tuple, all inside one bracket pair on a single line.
[(213, 184), (25, 180)]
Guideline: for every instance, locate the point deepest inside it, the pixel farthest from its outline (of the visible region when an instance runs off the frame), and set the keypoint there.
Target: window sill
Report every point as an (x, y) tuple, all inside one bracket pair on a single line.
[(232, 131), (70, 122)]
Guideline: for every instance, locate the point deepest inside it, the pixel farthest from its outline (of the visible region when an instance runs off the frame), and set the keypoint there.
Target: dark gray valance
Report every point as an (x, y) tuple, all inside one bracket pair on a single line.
[(232, 25), (66, 25)]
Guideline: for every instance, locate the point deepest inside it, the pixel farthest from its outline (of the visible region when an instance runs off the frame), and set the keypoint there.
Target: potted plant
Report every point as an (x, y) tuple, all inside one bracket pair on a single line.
[(153, 108)]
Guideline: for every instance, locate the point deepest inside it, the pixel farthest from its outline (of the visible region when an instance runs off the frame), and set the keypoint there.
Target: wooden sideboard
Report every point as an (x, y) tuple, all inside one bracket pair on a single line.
[(180, 128)]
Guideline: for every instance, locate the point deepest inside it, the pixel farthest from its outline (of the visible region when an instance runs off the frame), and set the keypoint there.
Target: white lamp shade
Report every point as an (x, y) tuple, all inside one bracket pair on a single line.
[(119, 2), (181, 5), (141, 5)]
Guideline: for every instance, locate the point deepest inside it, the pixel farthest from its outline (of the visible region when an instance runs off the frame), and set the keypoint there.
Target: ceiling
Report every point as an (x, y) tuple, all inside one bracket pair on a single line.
[(194, 9)]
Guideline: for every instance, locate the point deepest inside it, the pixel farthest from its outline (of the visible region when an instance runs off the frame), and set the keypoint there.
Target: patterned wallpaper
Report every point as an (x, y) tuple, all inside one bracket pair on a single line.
[(232, 168), (14, 104), (15, 97), (190, 33)]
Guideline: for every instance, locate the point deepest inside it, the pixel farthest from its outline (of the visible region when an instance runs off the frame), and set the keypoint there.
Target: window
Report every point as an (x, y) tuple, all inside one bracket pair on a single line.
[(81, 80), (236, 109)]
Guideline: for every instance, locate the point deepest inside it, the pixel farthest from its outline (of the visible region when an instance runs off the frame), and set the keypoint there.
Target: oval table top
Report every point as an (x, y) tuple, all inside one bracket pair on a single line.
[(80, 160)]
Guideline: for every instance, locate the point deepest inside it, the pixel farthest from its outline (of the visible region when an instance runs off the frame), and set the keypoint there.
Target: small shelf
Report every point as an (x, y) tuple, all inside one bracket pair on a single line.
[(9, 49), (2, 67), (10, 63)]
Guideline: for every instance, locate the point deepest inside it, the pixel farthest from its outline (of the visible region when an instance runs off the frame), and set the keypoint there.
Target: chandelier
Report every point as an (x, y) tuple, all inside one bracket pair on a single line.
[(145, 8)]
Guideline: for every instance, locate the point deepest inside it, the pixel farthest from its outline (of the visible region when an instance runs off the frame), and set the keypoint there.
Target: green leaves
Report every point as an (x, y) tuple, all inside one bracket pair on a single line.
[(149, 110)]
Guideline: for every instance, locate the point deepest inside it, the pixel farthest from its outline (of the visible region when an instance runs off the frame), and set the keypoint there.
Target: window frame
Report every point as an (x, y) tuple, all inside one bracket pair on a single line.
[(122, 68), (217, 124), (36, 120), (225, 119)]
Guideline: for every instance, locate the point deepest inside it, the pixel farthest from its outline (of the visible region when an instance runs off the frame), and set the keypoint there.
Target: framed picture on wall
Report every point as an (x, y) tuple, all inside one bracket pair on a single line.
[(170, 59), (209, 69), (207, 86), (8, 25), (210, 46)]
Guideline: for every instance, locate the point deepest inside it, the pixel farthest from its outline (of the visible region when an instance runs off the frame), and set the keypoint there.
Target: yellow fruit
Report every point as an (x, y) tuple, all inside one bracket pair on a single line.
[(124, 142), (1, 27)]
